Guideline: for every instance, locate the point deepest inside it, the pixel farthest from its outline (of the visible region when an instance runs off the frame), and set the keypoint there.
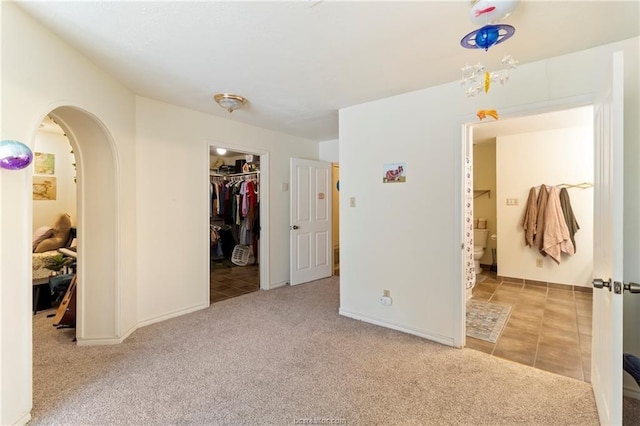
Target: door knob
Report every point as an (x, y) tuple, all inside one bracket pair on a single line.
[(632, 287), (295, 227), (599, 283)]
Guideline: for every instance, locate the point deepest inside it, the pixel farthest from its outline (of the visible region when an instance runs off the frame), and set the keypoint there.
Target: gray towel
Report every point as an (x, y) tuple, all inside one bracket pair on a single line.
[(569, 217)]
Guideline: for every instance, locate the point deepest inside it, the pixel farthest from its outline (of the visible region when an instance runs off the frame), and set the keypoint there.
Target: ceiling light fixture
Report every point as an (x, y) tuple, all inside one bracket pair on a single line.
[(230, 102), (221, 151)]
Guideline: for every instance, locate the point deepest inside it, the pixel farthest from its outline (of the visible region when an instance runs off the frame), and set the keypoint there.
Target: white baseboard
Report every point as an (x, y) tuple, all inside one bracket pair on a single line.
[(117, 340), (105, 340), (399, 327), (102, 341), (22, 420), (160, 318)]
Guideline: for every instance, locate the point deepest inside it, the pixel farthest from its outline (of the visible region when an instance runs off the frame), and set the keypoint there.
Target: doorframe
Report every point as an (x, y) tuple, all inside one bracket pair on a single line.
[(466, 122), (263, 248)]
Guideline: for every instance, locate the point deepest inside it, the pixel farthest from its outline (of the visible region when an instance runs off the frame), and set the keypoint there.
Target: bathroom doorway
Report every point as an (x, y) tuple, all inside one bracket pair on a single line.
[(548, 323)]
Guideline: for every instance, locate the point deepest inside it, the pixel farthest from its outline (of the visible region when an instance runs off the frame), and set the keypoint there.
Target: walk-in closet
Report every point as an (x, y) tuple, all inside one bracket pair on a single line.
[(234, 224)]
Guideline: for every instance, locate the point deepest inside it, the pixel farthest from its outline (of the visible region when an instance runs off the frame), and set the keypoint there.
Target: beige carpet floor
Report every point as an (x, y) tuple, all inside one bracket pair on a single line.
[(276, 357)]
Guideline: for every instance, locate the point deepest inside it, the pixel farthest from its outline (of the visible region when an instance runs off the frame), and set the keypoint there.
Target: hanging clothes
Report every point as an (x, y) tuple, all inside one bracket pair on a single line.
[(530, 218), (569, 217), (556, 237), (543, 196)]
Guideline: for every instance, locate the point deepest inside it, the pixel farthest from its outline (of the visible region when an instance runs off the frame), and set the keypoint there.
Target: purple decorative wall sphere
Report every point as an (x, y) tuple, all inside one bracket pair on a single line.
[(14, 155)]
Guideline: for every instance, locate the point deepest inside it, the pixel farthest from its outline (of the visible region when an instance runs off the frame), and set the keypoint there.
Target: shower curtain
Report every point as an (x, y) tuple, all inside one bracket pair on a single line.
[(469, 268)]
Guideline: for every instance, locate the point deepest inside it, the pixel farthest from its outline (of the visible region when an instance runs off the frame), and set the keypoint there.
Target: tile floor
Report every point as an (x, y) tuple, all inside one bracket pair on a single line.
[(549, 327), (229, 280)]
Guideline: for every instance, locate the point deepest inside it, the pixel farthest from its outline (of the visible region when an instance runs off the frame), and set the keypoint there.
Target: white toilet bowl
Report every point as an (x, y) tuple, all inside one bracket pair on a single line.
[(479, 244), (478, 252)]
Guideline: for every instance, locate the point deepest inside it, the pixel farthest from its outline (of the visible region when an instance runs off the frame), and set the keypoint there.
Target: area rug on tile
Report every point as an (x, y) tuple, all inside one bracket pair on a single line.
[(486, 320)]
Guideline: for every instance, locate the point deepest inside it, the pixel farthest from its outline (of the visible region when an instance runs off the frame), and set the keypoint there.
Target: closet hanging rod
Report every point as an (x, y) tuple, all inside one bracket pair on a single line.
[(255, 172), (236, 178)]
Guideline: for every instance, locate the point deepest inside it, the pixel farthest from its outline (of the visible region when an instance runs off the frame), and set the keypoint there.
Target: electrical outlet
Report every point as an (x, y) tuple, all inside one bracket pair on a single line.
[(385, 300), (352, 202), (538, 263)]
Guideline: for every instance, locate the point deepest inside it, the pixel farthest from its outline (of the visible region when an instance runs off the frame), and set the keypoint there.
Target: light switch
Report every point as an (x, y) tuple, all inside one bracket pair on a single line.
[(512, 201), (352, 202), (284, 186)]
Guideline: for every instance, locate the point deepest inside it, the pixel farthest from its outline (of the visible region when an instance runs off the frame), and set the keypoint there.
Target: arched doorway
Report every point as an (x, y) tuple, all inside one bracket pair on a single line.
[(98, 268)]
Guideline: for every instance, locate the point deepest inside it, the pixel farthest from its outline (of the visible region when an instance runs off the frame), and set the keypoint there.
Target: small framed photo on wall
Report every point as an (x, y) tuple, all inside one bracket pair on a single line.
[(394, 173)]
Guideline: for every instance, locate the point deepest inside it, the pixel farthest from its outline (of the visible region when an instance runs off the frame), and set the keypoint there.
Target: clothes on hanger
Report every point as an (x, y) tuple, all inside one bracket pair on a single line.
[(235, 201)]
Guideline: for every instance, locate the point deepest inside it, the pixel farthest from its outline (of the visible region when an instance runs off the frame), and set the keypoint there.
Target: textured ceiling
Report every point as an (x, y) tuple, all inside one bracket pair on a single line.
[(298, 62)]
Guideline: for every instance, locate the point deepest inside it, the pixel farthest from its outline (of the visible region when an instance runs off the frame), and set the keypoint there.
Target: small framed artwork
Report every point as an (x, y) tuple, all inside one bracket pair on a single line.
[(44, 188), (394, 173), (44, 164)]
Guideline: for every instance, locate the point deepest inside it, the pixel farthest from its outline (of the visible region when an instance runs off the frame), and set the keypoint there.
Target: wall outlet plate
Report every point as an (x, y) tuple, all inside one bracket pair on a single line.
[(385, 300)]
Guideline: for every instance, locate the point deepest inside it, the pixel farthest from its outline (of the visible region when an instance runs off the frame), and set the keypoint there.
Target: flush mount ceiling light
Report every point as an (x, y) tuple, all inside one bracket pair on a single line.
[(230, 102), (221, 151)]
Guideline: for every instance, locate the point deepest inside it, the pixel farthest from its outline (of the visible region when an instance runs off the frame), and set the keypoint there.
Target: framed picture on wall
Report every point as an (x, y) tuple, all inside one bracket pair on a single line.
[(394, 173), (44, 188), (44, 164)]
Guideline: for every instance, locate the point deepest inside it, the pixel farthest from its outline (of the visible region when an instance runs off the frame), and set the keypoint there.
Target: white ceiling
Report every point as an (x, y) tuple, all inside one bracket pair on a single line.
[(298, 62)]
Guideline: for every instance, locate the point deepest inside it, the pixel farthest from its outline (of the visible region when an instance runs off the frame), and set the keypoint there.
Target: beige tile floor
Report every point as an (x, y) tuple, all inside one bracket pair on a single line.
[(228, 280), (549, 327)]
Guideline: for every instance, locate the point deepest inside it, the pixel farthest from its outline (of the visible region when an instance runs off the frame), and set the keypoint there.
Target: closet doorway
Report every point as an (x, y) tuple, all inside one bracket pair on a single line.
[(235, 207), (548, 323)]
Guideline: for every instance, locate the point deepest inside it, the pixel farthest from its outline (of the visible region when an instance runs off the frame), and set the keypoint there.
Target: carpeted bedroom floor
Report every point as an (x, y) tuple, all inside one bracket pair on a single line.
[(279, 357)]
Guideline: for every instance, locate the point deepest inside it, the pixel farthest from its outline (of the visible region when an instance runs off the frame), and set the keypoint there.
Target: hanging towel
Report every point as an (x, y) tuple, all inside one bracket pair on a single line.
[(569, 217), (555, 234), (530, 217), (543, 195)]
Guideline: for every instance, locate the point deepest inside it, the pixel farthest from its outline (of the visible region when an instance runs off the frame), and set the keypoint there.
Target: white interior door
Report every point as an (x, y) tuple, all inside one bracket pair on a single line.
[(310, 225), (606, 361)]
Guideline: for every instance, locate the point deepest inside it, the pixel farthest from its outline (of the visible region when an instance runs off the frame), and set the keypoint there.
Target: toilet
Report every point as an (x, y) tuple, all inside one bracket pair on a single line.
[(480, 237)]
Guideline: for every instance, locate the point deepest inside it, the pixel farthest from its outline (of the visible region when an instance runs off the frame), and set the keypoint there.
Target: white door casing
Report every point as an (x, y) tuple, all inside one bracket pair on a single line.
[(310, 220), (606, 361)]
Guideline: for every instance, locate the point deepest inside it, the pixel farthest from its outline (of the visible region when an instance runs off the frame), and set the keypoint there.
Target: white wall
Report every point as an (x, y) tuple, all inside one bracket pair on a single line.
[(329, 151), (25, 98), (484, 178), (172, 173), (549, 157), (406, 237), (45, 211)]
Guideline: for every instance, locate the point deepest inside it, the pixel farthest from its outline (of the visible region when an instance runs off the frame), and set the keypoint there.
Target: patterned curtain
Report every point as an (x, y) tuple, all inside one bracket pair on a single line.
[(469, 269)]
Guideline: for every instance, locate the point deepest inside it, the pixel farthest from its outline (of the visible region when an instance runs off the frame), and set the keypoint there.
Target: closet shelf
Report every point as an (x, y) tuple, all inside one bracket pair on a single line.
[(214, 173), (480, 192)]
